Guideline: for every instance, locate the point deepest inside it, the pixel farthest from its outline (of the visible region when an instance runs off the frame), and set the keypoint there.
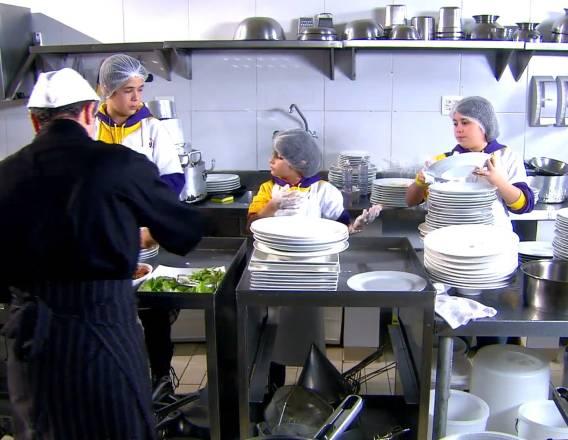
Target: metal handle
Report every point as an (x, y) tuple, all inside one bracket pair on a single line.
[(341, 418)]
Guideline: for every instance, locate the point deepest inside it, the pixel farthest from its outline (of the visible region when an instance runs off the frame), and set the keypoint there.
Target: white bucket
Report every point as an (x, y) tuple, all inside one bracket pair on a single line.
[(487, 435), (466, 413), (540, 419)]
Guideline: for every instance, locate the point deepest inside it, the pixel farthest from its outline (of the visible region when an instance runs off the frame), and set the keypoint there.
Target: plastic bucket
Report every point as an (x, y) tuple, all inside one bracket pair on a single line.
[(540, 419), (466, 413), (487, 435)]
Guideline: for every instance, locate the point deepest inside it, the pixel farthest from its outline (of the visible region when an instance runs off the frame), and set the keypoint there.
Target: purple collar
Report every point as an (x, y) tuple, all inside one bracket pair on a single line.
[(303, 183), (143, 113), (490, 148)]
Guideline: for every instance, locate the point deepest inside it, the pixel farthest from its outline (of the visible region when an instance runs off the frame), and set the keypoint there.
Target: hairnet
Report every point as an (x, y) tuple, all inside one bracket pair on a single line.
[(116, 70), (299, 148), (481, 111)]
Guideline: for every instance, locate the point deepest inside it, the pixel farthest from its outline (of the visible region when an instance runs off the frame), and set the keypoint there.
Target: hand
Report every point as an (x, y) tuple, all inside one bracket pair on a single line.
[(146, 239), (423, 177), (494, 171), (292, 200), (366, 217)]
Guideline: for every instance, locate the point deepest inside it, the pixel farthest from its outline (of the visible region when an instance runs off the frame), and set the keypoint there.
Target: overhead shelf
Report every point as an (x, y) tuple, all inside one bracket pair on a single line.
[(521, 60)]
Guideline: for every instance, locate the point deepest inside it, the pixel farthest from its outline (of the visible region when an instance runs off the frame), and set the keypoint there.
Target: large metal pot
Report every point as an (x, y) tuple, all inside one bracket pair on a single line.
[(545, 285), (551, 189)]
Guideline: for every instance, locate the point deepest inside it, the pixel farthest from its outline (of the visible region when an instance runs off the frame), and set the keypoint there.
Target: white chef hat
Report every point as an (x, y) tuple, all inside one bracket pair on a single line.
[(59, 88)]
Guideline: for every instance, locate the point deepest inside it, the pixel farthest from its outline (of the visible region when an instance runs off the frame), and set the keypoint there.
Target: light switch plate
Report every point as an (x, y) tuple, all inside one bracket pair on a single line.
[(448, 103)]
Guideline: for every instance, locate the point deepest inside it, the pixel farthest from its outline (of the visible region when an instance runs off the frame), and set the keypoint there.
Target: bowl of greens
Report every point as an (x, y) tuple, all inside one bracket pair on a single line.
[(184, 280)]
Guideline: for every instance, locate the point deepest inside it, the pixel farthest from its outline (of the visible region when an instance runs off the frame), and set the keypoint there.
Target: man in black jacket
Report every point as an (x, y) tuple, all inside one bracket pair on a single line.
[(71, 211)]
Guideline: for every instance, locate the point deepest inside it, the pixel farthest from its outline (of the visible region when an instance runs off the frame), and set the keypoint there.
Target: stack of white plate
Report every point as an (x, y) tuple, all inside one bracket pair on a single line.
[(221, 183), (278, 272), (147, 253), (336, 176), (353, 158), (390, 192), (457, 203), (471, 257), (298, 239), (560, 242), (535, 250)]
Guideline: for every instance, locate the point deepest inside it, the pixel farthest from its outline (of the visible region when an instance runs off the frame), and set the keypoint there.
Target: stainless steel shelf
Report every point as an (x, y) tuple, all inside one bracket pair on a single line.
[(231, 44), (97, 48)]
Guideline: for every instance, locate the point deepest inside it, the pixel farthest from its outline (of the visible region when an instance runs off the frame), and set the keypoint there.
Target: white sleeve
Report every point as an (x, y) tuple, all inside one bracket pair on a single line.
[(164, 153), (513, 165), (331, 201)]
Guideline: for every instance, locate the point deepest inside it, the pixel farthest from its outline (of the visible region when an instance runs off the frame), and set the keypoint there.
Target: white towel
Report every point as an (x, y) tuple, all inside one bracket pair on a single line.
[(459, 311)]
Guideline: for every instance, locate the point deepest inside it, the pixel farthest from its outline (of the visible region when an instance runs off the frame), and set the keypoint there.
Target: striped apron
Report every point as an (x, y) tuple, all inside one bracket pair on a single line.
[(77, 366)]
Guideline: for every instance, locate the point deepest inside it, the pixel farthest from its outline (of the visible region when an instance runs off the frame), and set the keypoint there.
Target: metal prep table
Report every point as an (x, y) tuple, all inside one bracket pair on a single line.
[(220, 322), (364, 254), (513, 319)]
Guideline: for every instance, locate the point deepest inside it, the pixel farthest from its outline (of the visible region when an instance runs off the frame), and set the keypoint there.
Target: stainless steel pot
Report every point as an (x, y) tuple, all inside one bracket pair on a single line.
[(162, 108), (485, 27), (548, 166), (259, 28), (545, 285), (527, 32), (551, 189)]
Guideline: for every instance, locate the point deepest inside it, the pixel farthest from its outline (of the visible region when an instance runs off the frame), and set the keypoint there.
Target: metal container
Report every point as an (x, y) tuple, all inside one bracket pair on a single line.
[(195, 188), (548, 166), (404, 32), (527, 32), (259, 28), (551, 189), (395, 15), (545, 285), (364, 29), (449, 19), (162, 108), (318, 34), (559, 38), (485, 27), (561, 26), (425, 26)]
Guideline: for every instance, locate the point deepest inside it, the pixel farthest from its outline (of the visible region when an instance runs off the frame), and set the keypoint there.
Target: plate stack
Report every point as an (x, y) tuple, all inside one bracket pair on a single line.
[(390, 192), (353, 158), (222, 183), (535, 250), (458, 203), (560, 242), (471, 257), (147, 253), (297, 253)]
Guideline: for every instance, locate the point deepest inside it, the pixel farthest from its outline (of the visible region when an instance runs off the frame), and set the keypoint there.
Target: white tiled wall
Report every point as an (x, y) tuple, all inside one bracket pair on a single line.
[(236, 99)]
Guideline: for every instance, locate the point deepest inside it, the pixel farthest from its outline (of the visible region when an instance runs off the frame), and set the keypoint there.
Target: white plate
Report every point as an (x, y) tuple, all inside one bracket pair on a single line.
[(300, 227), (457, 166), (324, 260), (332, 250), (462, 188), (222, 177), (536, 248), (298, 247), (300, 241), (296, 268), (387, 281), (393, 182)]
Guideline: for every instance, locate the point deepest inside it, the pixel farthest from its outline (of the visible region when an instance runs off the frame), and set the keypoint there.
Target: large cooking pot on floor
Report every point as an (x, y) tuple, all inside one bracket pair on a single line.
[(545, 285), (551, 189)]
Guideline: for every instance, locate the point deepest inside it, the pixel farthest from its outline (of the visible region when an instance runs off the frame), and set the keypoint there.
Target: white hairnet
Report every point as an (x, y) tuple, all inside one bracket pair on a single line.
[(299, 148), (116, 70), (481, 111)]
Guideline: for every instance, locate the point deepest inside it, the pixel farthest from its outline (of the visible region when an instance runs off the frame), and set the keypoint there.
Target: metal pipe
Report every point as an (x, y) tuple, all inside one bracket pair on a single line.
[(291, 110), (443, 379)]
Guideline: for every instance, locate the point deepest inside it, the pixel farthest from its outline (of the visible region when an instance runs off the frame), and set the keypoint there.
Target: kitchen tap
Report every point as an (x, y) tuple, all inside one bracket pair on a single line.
[(291, 110)]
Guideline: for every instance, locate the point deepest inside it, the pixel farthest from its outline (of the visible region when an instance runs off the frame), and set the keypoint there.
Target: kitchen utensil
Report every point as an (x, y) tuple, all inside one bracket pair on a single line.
[(365, 29), (195, 188), (545, 283), (458, 166), (395, 15), (324, 19), (527, 32), (162, 108), (559, 38), (548, 166), (485, 27), (485, 435), (259, 28), (318, 34), (425, 26), (551, 189), (404, 32), (386, 281), (449, 19), (561, 26), (540, 419), (144, 266)]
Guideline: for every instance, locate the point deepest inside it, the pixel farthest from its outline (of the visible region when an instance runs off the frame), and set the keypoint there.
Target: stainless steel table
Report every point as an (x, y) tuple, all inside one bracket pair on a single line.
[(220, 323), (513, 319), (364, 254)]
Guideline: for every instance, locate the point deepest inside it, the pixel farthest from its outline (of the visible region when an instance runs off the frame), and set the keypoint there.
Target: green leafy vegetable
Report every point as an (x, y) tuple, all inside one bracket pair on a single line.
[(201, 281)]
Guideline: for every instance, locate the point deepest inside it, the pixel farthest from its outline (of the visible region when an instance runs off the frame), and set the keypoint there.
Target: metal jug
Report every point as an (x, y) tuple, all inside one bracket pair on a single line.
[(195, 188)]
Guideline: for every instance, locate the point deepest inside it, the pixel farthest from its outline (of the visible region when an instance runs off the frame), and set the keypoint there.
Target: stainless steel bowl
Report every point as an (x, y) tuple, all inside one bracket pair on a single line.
[(548, 166), (318, 34), (527, 32), (551, 189), (545, 285), (259, 28), (485, 27), (404, 32), (365, 29)]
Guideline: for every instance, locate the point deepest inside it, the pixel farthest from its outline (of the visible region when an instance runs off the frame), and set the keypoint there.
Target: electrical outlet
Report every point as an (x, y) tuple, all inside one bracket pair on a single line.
[(448, 103)]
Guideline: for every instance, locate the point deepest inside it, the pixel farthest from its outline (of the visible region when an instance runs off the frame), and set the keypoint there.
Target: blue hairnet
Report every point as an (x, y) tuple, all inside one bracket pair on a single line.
[(118, 69), (481, 111), (299, 148)]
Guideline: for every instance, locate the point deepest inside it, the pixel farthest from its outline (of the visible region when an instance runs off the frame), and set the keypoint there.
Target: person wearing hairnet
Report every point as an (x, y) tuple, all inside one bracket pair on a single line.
[(476, 129), (297, 189), (77, 367)]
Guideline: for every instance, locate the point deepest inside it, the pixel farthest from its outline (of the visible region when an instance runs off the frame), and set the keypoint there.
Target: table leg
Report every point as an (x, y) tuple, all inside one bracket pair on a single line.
[(243, 375), (443, 380), (212, 375)]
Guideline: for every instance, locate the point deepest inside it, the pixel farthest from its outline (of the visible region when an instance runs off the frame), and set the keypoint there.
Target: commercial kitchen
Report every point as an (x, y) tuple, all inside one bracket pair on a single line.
[(374, 84)]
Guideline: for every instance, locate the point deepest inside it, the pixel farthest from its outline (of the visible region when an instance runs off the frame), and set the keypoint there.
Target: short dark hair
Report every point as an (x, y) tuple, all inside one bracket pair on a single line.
[(46, 115)]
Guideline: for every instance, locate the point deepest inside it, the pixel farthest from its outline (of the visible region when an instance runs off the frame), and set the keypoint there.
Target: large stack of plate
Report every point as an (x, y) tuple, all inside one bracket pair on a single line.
[(471, 257), (353, 158), (390, 192), (222, 183), (535, 250), (560, 242), (458, 203), (297, 253), (147, 253)]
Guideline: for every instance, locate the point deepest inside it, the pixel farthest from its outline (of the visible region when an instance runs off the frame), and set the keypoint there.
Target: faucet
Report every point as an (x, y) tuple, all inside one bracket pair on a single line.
[(291, 110)]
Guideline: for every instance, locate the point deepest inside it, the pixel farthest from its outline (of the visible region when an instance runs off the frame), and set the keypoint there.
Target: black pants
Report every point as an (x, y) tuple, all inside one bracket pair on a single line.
[(157, 325)]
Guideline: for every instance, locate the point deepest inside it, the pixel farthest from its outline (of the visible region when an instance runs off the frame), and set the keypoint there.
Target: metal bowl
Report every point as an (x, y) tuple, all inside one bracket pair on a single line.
[(318, 34), (545, 283), (365, 29), (404, 32), (259, 28), (548, 166)]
